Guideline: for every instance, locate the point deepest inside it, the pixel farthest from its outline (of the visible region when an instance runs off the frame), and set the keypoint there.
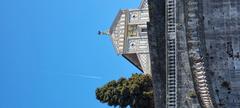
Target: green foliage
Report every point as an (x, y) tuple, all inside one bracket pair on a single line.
[(136, 92)]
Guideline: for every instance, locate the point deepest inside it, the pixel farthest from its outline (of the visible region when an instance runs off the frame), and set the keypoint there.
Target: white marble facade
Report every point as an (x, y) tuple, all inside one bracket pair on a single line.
[(129, 36)]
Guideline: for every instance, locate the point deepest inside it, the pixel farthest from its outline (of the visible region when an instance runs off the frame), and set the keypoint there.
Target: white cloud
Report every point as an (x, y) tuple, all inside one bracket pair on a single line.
[(85, 76)]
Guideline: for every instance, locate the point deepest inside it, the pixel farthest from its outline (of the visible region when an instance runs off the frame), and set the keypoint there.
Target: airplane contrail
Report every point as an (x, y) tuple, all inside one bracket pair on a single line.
[(86, 76)]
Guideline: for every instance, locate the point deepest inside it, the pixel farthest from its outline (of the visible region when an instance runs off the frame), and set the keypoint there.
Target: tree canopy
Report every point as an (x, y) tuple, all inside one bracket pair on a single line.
[(136, 92)]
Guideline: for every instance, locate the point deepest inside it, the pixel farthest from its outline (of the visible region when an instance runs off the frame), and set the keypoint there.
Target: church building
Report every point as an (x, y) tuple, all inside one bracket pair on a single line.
[(129, 36)]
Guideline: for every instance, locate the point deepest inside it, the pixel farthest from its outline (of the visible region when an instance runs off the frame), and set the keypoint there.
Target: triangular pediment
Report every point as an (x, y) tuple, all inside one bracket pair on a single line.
[(117, 31)]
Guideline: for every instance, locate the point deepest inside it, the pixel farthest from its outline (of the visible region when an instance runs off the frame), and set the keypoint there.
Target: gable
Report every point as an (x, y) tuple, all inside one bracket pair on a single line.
[(117, 31)]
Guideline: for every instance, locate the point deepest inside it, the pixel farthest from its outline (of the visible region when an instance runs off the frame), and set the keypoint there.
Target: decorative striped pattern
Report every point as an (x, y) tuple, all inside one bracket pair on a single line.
[(118, 34), (171, 98)]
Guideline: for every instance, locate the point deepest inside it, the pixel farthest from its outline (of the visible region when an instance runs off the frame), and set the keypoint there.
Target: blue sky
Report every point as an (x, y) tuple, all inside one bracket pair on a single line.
[(51, 55)]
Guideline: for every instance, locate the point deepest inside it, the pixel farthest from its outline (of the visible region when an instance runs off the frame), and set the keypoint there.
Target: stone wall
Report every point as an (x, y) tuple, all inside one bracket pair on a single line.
[(157, 48)]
